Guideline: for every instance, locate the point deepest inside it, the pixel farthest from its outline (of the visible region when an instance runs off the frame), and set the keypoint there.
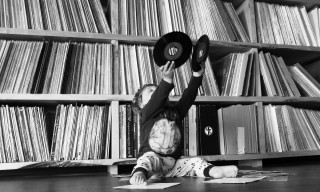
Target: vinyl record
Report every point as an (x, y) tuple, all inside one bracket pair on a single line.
[(175, 46), (200, 52)]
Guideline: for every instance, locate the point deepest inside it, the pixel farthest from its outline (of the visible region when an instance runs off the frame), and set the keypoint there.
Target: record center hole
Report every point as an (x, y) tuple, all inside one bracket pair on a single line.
[(173, 51), (200, 54)]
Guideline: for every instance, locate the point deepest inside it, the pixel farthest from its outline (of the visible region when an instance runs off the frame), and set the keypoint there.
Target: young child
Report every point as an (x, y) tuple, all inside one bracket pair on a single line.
[(162, 132)]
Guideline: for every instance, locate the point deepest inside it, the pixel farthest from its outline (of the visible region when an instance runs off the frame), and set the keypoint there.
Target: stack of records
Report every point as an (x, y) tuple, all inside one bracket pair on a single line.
[(81, 132), (57, 15)]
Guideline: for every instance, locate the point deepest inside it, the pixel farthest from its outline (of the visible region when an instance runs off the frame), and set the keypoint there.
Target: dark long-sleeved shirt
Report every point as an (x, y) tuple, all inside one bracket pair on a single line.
[(162, 129)]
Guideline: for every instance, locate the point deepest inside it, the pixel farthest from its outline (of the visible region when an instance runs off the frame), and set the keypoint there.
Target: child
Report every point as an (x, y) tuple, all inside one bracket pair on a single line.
[(161, 132)]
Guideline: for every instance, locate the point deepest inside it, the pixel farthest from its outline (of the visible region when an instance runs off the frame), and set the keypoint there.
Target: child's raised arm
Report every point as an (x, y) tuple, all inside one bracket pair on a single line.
[(190, 94), (167, 71), (201, 71), (160, 96)]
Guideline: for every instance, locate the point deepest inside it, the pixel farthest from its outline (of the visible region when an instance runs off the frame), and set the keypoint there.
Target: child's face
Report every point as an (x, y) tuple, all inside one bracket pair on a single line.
[(146, 95)]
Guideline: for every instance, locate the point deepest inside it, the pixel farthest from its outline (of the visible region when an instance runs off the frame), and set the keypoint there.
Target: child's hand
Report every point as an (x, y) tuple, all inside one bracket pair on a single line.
[(201, 71), (138, 178), (167, 71)]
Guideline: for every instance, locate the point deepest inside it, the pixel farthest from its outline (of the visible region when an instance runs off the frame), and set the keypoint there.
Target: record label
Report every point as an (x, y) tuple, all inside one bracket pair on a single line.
[(173, 51)]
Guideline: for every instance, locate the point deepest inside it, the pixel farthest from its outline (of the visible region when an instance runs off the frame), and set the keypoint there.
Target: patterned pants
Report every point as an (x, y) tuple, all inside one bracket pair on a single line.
[(169, 167)]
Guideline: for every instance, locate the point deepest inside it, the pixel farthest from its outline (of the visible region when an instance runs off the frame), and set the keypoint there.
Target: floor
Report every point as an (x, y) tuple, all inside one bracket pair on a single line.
[(303, 176)]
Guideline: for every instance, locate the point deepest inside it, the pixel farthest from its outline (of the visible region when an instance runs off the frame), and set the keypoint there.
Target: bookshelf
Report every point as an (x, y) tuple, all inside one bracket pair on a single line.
[(291, 54)]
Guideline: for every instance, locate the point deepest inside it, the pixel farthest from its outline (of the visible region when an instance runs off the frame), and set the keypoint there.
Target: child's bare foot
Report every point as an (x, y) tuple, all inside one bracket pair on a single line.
[(138, 178), (223, 171)]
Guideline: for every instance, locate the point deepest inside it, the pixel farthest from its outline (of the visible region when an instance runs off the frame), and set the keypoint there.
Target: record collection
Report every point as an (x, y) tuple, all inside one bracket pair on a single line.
[(81, 132), (156, 18), (58, 15), (284, 24), (55, 67), (35, 61), (23, 134)]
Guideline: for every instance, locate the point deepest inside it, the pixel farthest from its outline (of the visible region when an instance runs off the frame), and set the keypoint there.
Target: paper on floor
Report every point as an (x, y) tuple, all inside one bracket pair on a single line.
[(149, 186), (234, 180)]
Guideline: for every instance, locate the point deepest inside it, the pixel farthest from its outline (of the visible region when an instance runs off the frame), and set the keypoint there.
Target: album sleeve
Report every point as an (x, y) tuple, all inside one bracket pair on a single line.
[(157, 101), (188, 96)]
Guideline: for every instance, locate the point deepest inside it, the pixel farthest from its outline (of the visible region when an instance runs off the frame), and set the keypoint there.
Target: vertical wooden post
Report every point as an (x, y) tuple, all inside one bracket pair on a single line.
[(115, 67), (115, 145)]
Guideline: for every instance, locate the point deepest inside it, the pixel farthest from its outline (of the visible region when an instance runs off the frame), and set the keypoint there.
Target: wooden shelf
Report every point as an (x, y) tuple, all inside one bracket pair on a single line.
[(32, 34), (47, 99), (238, 157), (232, 100), (132, 161), (72, 163), (39, 35), (261, 156), (255, 99)]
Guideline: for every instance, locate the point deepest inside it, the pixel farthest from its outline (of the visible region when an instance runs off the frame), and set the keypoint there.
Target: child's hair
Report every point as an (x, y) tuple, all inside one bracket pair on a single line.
[(137, 99)]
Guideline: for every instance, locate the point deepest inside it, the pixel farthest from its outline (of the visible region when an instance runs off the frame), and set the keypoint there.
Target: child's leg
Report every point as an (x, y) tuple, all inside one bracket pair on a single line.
[(199, 167), (223, 171), (195, 166), (150, 164)]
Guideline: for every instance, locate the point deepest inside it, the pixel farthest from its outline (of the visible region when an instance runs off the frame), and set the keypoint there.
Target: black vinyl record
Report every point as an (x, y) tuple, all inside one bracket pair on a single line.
[(200, 52), (174, 46)]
